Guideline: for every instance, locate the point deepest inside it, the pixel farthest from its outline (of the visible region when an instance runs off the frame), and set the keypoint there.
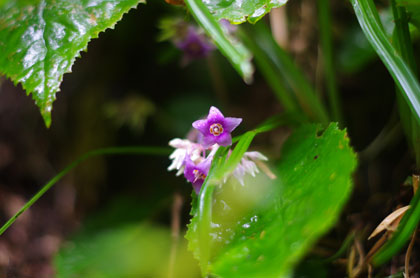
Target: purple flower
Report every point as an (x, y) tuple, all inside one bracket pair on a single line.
[(216, 128), (194, 45), (196, 174), (229, 28)]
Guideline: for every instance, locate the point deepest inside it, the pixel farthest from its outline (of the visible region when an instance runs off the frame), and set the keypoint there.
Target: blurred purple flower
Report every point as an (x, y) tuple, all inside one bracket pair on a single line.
[(197, 173), (229, 27), (194, 45), (216, 129)]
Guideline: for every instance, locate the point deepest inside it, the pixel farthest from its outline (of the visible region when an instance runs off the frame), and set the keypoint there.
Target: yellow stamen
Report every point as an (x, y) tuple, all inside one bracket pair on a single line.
[(216, 129)]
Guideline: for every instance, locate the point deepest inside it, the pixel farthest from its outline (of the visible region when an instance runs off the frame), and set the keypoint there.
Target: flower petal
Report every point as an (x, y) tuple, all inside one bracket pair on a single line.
[(225, 139), (231, 123), (214, 112), (202, 126), (208, 141)]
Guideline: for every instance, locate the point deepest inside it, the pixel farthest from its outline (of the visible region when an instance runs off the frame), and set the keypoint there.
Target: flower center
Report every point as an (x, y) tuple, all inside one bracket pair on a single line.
[(216, 129), (198, 175)]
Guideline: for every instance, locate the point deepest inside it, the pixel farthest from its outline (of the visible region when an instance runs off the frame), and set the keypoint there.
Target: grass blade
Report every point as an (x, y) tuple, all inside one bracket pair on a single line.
[(406, 81), (105, 151)]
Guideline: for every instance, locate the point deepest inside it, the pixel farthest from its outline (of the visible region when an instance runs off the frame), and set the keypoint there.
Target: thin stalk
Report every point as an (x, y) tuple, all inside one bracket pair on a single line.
[(68, 168), (324, 17)]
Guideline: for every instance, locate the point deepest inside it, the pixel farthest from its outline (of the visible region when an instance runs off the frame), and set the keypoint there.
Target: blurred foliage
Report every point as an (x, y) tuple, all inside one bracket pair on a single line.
[(124, 251)]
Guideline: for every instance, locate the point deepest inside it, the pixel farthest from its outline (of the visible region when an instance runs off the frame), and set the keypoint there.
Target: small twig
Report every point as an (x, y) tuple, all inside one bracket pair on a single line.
[(175, 228), (361, 262), (350, 261), (416, 182), (377, 245), (408, 254), (370, 271)]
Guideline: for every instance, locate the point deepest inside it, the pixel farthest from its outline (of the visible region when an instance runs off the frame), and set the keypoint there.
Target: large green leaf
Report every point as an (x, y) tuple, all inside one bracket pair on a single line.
[(238, 11), (40, 39), (263, 228)]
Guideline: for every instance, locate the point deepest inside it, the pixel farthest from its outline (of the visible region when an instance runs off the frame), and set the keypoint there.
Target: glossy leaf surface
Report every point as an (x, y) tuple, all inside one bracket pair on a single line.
[(263, 228), (40, 39), (238, 11)]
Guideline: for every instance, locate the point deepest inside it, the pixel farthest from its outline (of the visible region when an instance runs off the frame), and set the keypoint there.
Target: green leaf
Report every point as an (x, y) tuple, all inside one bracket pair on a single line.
[(124, 251), (237, 54), (238, 11), (40, 40), (262, 229)]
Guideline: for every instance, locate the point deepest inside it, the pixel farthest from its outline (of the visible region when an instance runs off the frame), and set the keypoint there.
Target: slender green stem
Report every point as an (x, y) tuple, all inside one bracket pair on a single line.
[(406, 81), (324, 17), (105, 151), (204, 218)]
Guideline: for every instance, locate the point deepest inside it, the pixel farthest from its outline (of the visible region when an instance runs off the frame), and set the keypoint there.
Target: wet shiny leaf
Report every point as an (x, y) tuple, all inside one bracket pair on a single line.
[(262, 229), (238, 11), (40, 39)]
